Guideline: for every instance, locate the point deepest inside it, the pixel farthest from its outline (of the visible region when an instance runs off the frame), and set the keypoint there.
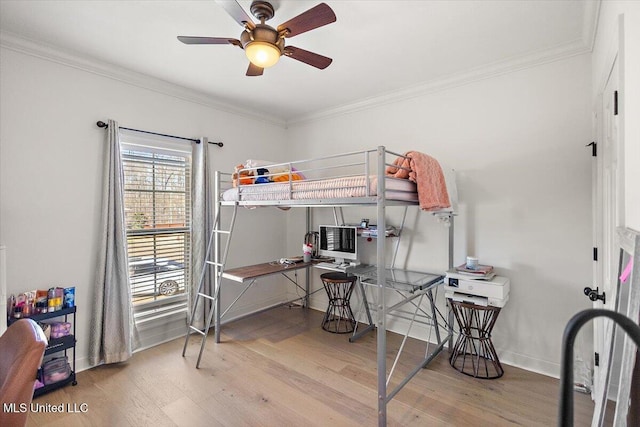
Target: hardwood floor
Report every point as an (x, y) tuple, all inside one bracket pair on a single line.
[(280, 368)]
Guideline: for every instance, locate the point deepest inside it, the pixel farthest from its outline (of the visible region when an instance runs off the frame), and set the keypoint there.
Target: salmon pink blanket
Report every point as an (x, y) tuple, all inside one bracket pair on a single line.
[(426, 172)]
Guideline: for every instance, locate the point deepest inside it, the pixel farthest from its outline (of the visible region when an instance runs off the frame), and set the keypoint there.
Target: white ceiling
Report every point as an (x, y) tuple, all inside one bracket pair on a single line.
[(380, 49)]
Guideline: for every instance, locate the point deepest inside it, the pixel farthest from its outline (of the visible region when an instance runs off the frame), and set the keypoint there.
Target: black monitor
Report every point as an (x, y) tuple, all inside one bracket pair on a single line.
[(339, 242)]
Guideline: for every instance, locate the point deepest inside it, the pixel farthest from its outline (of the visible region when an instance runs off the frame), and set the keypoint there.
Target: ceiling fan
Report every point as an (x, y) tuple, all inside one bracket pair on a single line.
[(264, 44)]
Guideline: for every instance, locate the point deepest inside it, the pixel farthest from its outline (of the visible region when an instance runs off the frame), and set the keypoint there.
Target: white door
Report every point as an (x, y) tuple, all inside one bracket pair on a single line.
[(608, 215)]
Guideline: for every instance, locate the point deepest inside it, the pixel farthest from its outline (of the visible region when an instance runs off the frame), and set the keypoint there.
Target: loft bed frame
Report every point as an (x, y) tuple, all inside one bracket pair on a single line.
[(327, 182)]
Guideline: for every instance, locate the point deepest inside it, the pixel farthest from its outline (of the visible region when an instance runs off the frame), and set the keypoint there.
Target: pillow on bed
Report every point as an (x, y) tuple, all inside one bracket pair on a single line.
[(265, 164)]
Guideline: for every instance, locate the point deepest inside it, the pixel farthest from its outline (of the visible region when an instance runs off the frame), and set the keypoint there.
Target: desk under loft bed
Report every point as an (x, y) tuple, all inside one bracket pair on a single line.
[(377, 178)]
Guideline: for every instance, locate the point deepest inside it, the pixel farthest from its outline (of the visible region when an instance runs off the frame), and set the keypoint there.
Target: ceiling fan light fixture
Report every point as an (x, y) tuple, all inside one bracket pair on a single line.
[(262, 54)]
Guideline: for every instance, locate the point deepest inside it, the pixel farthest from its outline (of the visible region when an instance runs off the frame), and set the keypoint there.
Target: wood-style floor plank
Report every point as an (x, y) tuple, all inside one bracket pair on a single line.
[(279, 368)]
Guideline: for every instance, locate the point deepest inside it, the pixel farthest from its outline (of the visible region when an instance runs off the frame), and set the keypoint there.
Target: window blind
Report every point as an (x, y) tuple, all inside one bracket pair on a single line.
[(158, 222)]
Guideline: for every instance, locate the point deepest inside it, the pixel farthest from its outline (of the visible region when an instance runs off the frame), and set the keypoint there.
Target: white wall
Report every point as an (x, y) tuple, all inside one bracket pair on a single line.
[(606, 45), (517, 142), (51, 171)]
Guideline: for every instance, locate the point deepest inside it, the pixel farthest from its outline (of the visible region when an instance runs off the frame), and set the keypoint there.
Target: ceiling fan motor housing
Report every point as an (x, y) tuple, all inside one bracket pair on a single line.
[(262, 33), (262, 10)]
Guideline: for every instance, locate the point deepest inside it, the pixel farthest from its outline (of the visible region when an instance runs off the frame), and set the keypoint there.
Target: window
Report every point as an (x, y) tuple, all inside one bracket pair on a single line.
[(157, 200)]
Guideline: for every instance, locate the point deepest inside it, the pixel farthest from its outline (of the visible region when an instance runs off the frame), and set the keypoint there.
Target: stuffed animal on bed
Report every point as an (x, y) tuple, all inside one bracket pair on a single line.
[(261, 179), (275, 174), (285, 177), (243, 177)]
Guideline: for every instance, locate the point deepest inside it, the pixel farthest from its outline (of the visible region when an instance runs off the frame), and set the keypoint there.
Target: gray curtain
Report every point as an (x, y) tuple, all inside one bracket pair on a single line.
[(201, 225), (112, 327)]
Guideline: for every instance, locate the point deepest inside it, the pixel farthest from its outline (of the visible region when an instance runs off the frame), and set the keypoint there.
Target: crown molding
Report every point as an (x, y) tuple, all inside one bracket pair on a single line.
[(576, 47), (590, 22), (54, 54), (560, 52)]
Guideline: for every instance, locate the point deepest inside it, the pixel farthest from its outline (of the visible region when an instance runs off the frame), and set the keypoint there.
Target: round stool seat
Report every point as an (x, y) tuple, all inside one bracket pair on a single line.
[(339, 318)]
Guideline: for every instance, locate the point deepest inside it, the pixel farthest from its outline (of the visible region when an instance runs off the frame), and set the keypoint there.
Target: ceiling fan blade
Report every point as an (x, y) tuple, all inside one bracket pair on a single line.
[(236, 11), (313, 18), (307, 57), (208, 40), (254, 70)]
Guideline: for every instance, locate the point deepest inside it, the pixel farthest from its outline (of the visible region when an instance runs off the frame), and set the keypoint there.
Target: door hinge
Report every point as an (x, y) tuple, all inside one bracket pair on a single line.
[(615, 103), (595, 254), (594, 151), (596, 359)]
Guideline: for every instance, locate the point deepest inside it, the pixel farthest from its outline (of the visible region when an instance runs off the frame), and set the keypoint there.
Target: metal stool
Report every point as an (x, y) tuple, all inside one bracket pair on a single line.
[(473, 353), (339, 318)]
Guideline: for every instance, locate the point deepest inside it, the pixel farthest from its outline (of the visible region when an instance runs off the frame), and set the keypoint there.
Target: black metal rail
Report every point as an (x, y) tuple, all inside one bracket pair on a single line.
[(565, 415)]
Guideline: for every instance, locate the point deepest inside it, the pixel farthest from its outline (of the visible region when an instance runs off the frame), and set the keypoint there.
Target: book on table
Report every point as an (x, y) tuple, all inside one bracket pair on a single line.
[(481, 272)]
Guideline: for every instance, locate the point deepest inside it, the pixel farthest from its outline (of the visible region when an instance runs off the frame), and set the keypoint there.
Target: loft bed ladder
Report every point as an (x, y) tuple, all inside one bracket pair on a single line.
[(215, 266)]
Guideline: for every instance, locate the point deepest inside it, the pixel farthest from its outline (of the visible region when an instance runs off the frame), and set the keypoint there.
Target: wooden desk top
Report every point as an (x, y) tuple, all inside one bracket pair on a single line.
[(251, 272)]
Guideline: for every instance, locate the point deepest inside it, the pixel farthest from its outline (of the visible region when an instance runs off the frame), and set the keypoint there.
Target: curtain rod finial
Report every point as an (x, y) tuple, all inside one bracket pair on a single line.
[(102, 124), (219, 144)]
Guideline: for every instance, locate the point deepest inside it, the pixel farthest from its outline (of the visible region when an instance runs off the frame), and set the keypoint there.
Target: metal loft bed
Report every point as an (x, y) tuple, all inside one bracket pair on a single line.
[(328, 181)]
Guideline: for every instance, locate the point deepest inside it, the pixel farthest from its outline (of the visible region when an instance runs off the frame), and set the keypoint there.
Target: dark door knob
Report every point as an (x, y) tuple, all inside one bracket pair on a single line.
[(594, 294)]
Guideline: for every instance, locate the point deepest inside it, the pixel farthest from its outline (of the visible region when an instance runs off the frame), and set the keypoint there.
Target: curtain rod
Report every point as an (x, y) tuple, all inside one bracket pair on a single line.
[(102, 124)]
